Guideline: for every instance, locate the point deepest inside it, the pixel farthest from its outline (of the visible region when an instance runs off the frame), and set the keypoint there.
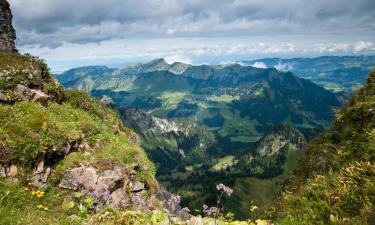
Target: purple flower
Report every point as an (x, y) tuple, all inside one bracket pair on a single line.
[(174, 203), (210, 210)]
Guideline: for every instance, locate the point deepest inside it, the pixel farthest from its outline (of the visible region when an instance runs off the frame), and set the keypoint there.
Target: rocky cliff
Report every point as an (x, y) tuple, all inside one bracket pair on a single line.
[(7, 32)]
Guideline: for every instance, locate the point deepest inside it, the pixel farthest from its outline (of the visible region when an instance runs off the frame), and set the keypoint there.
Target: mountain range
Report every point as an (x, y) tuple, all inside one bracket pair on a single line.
[(335, 73), (205, 124)]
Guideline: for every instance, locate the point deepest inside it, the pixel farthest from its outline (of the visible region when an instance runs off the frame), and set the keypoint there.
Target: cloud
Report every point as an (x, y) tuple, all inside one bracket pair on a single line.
[(259, 65), (284, 66), (52, 23), (178, 58)]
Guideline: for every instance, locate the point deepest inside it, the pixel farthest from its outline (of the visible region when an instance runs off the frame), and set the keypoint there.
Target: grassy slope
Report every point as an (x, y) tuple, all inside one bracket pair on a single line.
[(33, 131), (334, 182)]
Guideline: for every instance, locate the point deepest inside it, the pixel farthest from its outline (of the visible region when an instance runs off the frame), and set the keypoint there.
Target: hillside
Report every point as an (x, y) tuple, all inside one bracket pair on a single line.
[(63, 155), (334, 181)]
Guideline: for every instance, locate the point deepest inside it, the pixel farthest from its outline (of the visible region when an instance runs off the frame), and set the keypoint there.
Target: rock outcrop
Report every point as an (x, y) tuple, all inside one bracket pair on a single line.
[(117, 187), (7, 32)]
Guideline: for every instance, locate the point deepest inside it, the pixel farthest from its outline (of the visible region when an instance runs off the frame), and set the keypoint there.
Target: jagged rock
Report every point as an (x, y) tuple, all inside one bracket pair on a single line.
[(39, 96), (136, 186), (81, 176), (5, 154), (22, 91), (34, 95), (3, 97), (83, 147), (72, 179), (107, 187), (110, 178), (2, 171), (12, 171), (65, 149), (39, 175), (89, 177), (46, 175), (40, 167), (7, 32), (118, 199)]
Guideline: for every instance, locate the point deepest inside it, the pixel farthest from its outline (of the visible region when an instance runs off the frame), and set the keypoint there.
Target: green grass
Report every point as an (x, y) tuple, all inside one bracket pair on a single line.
[(334, 181), (260, 192), (227, 160)]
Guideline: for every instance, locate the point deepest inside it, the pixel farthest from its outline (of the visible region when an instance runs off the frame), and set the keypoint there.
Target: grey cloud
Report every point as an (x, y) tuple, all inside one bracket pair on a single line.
[(54, 22)]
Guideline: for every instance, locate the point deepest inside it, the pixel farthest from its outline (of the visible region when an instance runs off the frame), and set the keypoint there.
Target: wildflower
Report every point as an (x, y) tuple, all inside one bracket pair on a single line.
[(224, 188), (174, 202), (44, 126), (29, 183), (46, 208), (220, 186), (40, 206), (210, 210), (26, 189), (228, 190), (33, 193)]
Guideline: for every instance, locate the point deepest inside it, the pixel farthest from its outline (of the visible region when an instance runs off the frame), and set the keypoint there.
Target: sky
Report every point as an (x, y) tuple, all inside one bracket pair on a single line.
[(72, 33)]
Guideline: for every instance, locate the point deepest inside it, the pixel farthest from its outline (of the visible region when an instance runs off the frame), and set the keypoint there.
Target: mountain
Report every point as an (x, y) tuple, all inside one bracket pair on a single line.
[(335, 179), (262, 169), (170, 144), (205, 124), (233, 100), (336, 73)]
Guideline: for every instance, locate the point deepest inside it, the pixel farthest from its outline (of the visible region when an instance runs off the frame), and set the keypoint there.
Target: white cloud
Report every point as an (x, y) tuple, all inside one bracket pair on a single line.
[(260, 65), (177, 58), (284, 66)]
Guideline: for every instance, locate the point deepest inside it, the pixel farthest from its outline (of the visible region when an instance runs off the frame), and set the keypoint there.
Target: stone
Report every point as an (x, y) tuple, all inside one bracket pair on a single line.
[(39, 96), (12, 171), (46, 175), (85, 177), (72, 179), (137, 186), (89, 178), (110, 178), (118, 199), (7, 32), (3, 97), (39, 168), (65, 149), (22, 91), (2, 171)]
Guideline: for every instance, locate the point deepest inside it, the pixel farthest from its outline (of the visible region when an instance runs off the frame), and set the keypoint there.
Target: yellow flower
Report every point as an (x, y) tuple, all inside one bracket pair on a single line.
[(40, 206), (44, 126), (26, 189), (45, 208), (29, 183), (40, 194), (33, 193)]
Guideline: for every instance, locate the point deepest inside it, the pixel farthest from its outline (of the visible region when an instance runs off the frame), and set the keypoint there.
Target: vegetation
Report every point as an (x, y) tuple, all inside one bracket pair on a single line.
[(334, 182), (30, 132)]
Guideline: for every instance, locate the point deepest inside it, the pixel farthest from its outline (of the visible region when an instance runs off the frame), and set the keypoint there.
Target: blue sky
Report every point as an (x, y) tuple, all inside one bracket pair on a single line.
[(70, 33)]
